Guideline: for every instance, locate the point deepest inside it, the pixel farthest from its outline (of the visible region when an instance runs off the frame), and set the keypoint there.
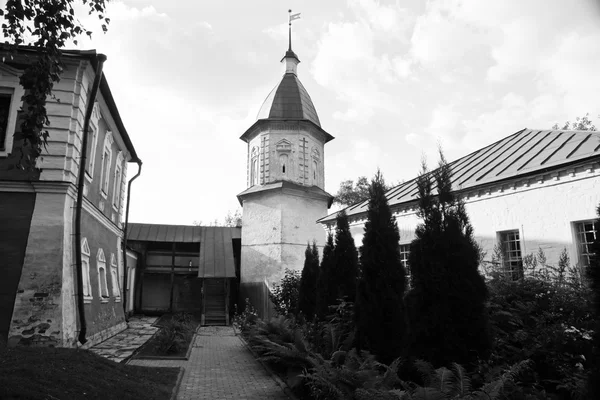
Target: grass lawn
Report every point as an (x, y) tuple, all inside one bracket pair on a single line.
[(174, 338), (56, 373)]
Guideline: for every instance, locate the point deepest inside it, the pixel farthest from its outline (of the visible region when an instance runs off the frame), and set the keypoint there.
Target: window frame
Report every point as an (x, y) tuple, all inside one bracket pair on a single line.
[(106, 167), (10, 85), (117, 185), (85, 271), (102, 280), (114, 275), (512, 266), (579, 244)]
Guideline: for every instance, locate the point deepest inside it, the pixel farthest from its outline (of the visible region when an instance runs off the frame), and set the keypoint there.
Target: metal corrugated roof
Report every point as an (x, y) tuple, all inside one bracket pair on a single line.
[(174, 233), (523, 153), (289, 100), (216, 248), (216, 253)]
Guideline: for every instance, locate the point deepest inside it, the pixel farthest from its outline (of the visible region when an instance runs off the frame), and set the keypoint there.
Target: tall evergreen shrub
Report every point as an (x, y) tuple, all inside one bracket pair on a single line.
[(593, 273), (326, 291), (446, 308), (379, 310), (346, 259), (307, 296)]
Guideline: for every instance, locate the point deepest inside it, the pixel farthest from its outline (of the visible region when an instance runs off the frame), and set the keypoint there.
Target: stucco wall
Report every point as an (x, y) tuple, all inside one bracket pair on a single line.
[(16, 211), (543, 212), (276, 228), (37, 314)]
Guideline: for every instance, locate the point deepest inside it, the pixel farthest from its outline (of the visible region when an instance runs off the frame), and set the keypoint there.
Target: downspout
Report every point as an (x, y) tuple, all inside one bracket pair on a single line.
[(101, 58), (125, 269)]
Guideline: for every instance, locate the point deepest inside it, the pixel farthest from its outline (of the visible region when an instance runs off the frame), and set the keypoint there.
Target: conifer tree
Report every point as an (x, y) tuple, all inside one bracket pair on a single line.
[(307, 296), (325, 285), (446, 309), (593, 273), (379, 310), (346, 259)]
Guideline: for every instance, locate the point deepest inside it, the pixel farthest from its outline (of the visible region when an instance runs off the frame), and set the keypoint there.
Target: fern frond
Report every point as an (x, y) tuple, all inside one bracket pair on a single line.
[(461, 382), (426, 371)]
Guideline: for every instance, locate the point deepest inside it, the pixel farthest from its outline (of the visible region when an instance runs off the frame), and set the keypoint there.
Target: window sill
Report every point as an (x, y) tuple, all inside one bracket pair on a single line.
[(87, 299), (117, 299), (104, 195), (88, 177), (104, 300)]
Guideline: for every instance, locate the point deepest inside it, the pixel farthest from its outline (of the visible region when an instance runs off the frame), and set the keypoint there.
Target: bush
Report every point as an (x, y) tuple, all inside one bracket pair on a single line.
[(547, 320), (247, 318), (285, 295), (175, 335)]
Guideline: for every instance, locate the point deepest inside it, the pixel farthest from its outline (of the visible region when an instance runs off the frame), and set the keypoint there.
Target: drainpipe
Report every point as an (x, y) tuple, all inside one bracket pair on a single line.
[(125, 269), (101, 58)]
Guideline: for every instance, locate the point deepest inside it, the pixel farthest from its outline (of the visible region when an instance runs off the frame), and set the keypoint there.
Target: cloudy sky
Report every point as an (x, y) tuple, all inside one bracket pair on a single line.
[(389, 79)]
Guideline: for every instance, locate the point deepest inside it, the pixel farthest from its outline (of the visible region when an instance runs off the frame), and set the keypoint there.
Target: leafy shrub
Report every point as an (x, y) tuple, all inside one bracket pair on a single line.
[(247, 318), (545, 317), (175, 334), (285, 295)]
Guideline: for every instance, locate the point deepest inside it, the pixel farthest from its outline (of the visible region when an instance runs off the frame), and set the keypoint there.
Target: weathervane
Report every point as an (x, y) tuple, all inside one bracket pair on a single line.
[(292, 17)]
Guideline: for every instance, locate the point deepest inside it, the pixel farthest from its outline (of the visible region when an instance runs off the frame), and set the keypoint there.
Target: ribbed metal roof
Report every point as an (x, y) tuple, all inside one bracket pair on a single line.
[(175, 233), (523, 153), (289, 100)]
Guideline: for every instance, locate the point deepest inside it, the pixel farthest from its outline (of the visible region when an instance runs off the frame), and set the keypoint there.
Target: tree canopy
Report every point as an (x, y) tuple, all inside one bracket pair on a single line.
[(581, 124), (47, 26)]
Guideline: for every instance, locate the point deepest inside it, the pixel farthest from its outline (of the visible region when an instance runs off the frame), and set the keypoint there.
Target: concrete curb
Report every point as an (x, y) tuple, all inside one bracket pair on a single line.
[(175, 389), (286, 389)]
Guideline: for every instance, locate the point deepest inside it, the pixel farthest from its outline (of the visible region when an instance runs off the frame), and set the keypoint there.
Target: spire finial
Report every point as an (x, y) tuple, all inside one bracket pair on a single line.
[(292, 17)]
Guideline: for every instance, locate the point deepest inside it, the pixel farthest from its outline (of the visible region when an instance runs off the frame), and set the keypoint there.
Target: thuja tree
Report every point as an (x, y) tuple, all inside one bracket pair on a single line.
[(325, 285), (307, 294), (379, 311), (346, 259), (594, 281), (47, 26), (446, 308)]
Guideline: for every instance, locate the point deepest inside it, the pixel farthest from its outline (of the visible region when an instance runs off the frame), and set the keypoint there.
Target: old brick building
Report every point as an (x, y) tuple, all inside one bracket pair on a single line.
[(37, 254)]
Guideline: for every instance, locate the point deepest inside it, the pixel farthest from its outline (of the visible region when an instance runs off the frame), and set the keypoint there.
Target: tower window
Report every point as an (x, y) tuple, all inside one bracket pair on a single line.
[(283, 168)]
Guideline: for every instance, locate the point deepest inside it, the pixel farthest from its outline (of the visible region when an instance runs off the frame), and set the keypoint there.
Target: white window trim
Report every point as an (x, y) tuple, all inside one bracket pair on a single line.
[(101, 264), (577, 242), (91, 158), (505, 263), (105, 175), (114, 276), (10, 85), (85, 271), (118, 179)]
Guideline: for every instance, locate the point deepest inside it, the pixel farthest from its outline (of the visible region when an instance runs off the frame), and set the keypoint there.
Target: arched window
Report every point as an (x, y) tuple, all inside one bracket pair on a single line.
[(103, 286), (114, 276), (283, 160), (254, 167), (315, 166), (85, 271)]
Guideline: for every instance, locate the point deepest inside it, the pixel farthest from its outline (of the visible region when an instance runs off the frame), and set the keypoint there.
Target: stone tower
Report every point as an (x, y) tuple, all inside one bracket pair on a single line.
[(285, 193)]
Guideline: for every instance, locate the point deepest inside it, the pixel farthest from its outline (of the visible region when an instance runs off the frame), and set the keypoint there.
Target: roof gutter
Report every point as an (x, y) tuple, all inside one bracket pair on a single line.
[(101, 58), (125, 269)]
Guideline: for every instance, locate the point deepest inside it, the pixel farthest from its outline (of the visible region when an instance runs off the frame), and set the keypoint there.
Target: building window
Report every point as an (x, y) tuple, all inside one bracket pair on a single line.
[(106, 161), (5, 99), (103, 286), (404, 253), (114, 276), (11, 93), (254, 167), (511, 253), (85, 271), (283, 158), (91, 152), (585, 233), (118, 179)]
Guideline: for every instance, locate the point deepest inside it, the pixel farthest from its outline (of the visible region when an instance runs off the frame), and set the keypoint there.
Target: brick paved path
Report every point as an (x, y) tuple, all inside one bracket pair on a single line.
[(221, 367)]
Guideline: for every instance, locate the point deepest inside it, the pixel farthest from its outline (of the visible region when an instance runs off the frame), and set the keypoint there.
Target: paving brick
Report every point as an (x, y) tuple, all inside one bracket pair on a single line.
[(221, 367)]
